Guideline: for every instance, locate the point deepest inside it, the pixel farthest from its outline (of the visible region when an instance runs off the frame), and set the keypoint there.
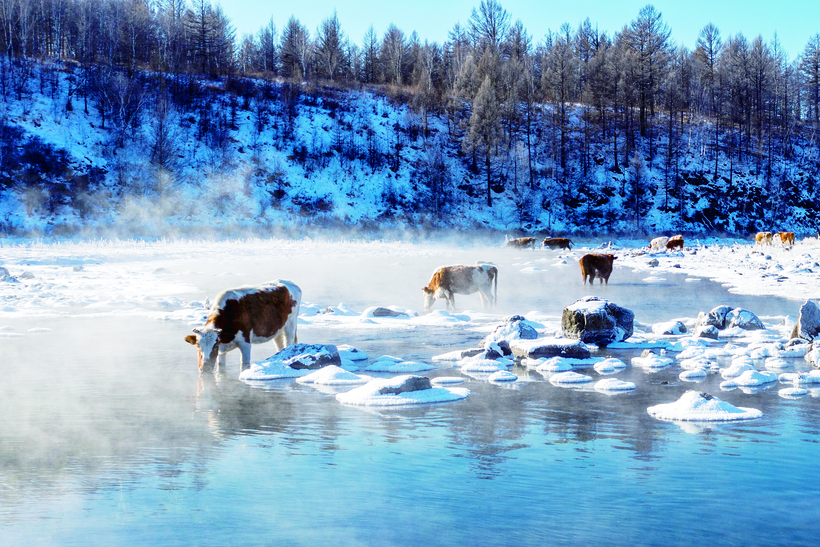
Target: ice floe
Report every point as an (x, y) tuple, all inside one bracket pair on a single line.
[(696, 406), (389, 392)]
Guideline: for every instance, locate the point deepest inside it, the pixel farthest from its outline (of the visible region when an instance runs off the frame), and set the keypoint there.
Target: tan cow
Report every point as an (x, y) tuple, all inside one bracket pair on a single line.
[(763, 238), (786, 239), (599, 265), (448, 281), (557, 243), (244, 316), (521, 242), (675, 242)]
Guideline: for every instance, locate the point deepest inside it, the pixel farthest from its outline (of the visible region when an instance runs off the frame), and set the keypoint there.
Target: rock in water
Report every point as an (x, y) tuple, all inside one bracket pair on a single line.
[(308, 356), (516, 328), (596, 321), (413, 383), (715, 318), (744, 319), (808, 322), (387, 312), (549, 347)]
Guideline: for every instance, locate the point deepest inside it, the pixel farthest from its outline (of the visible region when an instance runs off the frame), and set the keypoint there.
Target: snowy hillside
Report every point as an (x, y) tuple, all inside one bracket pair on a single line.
[(262, 156)]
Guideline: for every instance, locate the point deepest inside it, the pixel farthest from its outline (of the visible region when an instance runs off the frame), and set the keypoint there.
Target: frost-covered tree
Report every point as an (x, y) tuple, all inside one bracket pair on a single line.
[(485, 129)]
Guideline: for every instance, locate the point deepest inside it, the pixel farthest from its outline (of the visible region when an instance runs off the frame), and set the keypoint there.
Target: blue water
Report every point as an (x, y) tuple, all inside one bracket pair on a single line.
[(109, 436)]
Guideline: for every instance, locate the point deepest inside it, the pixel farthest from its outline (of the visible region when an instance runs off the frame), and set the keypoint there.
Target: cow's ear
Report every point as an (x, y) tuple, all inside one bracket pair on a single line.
[(191, 339)]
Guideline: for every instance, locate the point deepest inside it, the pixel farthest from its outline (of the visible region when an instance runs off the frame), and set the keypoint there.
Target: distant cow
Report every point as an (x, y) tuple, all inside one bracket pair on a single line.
[(658, 243), (557, 243), (450, 280), (244, 316), (786, 239), (675, 242), (763, 238), (596, 265), (521, 242)]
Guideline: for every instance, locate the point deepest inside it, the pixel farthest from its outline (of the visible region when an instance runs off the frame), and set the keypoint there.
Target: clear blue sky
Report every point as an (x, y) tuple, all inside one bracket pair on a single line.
[(794, 21)]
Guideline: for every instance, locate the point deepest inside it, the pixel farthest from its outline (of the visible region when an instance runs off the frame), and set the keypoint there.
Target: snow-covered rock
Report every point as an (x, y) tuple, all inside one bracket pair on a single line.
[(563, 378), (669, 328), (808, 322), (697, 406), (292, 362), (609, 366), (549, 347), (743, 319), (332, 375), (514, 328), (750, 378), (400, 391), (596, 321), (613, 384), (502, 376)]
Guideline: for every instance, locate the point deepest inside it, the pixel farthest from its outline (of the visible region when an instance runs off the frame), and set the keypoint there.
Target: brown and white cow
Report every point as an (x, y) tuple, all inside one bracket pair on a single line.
[(763, 238), (557, 243), (675, 242), (596, 265), (521, 242), (448, 281), (786, 239), (244, 316), (658, 243)]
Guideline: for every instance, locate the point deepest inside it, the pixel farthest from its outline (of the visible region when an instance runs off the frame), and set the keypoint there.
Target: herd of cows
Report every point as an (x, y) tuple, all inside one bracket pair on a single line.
[(253, 315)]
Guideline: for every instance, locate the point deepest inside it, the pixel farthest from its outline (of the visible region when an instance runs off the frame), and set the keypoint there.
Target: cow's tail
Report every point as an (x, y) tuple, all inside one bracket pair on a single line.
[(569, 244), (495, 282)]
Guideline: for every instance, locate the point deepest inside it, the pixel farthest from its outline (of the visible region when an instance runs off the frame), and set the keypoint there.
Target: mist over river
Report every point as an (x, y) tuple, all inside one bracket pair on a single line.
[(110, 436)]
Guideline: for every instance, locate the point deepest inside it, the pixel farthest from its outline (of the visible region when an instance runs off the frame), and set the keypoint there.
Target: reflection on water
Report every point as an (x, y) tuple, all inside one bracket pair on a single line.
[(108, 432)]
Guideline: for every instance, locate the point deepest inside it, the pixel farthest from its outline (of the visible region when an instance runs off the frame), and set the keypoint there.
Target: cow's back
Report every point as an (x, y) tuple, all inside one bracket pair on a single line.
[(259, 311)]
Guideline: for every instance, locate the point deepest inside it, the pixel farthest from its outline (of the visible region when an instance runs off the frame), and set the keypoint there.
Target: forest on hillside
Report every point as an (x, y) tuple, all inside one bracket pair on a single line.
[(601, 129)]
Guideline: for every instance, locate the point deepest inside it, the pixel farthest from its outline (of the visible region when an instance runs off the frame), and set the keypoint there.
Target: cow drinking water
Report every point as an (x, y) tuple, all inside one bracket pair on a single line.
[(244, 316), (449, 280)]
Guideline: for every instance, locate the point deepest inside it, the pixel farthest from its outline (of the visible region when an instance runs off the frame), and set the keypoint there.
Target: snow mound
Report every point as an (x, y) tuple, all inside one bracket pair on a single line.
[(777, 363), (736, 369), (609, 366), (652, 362), (447, 380), (750, 378), (388, 363), (350, 353), (371, 394), (332, 375), (695, 375), (793, 392), (502, 376), (564, 378), (696, 406), (613, 384), (800, 378)]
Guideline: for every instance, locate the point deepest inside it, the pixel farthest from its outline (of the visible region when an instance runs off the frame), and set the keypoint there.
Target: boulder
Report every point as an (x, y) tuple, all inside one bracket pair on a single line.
[(6, 276), (27, 275), (549, 347), (669, 328), (307, 356), (653, 263), (716, 317), (743, 319), (808, 322), (412, 383), (386, 312), (515, 328), (596, 321), (707, 331)]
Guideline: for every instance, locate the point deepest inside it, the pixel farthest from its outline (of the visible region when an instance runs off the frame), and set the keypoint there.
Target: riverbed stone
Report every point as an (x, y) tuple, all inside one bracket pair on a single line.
[(307, 356), (514, 328), (808, 322), (744, 319), (549, 347), (597, 321), (413, 383)]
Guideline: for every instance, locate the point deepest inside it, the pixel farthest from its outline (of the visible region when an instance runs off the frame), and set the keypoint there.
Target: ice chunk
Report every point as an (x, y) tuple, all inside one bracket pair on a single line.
[(696, 406)]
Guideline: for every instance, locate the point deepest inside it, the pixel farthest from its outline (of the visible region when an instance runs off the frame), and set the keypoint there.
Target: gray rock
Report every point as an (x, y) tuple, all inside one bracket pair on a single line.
[(596, 321), (549, 347), (308, 356), (716, 317), (707, 331), (516, 328), (78, 268), (669, 328), (6, 276), (808, 322), (653, 263), (387, 312), (413, 383), (26, 275), (744, 319)]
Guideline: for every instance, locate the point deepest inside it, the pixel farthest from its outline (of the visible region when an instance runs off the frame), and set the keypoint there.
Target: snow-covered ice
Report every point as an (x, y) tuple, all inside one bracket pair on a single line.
[(695, 406), (369, 394)]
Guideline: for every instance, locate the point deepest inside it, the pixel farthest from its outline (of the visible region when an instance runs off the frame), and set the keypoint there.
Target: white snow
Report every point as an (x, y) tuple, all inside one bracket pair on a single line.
[(333, 376), (693, 407), (502, 376), (750, 378), (613, 384), (569, 378), (609, 366), (390, 364), (368, 394)]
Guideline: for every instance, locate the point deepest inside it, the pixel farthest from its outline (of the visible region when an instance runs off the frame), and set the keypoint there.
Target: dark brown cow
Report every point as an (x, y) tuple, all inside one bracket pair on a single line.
[(557, 243), (675, 242), (449, 280), (599, 265), (522, 242), (244, 316), (786, 239)]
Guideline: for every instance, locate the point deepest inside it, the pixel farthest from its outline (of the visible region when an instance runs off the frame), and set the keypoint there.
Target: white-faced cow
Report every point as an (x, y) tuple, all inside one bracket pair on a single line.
[(658, 243), (450, 280), (244, 316)]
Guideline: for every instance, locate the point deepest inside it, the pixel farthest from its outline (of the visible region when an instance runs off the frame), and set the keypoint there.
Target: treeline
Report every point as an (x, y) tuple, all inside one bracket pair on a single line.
[(634, 101)]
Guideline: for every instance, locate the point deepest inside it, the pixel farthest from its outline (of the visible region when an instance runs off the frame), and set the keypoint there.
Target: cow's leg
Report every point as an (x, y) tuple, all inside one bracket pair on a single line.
[(451, 301), (484, 300), (221, 360), (245, 350)]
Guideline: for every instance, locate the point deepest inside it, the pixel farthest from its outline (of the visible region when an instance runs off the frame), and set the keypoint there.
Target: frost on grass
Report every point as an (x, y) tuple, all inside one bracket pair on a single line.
[(382, 392), (696, 406)]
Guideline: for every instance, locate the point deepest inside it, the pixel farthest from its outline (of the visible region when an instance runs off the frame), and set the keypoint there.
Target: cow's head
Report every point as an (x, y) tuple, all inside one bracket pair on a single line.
[(206, 342), (429, 297)]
